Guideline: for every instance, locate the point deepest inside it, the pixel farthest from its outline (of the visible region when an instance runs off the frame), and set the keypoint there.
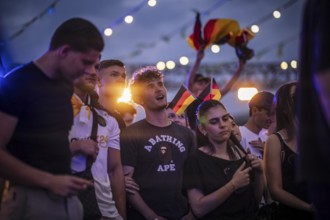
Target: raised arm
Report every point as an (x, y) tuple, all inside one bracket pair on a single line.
[(233, 79), (192, 73), (16, 171)]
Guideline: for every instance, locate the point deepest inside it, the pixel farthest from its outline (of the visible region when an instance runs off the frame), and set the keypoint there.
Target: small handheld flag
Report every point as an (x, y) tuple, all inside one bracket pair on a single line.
[(215, 91), (182, 100), (211, 91)]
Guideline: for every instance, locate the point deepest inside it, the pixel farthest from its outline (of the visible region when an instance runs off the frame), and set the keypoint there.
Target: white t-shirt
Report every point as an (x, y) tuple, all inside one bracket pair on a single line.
[(107, 137), (248, 136)]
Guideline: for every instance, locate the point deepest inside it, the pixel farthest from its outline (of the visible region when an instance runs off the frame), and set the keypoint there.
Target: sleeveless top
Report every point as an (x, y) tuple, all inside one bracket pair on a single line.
[(290, 183)]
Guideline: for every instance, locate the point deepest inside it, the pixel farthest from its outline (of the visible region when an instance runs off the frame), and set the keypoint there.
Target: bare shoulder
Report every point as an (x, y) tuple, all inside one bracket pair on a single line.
[(272, 144)]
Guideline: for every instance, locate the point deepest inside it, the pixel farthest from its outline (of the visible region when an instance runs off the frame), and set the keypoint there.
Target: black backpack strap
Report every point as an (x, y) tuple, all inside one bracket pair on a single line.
[(95, 125), (89, 161)]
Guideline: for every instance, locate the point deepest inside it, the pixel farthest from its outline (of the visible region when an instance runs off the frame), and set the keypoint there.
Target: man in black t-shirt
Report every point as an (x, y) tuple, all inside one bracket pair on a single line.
[(153, 153), (36, 116), (314, 104)]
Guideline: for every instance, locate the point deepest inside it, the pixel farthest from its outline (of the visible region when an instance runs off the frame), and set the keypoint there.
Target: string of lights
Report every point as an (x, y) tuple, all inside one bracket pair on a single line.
[(128, 16), (141, 47), (254, 26), (181, 29), (188, 24), (275, 14), (49, 10)]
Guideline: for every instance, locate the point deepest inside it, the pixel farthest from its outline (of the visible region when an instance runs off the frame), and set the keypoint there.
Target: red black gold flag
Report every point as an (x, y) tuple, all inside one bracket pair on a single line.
[(182, 100), (206, 94), (219, 31), (211, 91), (215, 91), (196, 38)]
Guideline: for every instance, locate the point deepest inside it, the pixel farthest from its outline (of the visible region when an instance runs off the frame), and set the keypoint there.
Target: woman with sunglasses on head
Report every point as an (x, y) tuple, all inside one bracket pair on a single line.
[(221, 180), (280, 160)]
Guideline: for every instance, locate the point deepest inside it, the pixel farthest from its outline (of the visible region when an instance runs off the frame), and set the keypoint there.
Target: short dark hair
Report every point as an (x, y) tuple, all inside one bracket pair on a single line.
[(200, 78), (145, 74), (80, 34), (107, 63), (261, 100)]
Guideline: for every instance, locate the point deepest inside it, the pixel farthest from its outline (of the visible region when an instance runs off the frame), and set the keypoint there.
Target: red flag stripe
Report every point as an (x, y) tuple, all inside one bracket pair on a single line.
[(180, 102), (184, 105)]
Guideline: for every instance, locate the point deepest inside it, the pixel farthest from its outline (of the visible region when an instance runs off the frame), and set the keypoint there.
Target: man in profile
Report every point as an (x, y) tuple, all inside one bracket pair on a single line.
[(260, 117), (36, 116)]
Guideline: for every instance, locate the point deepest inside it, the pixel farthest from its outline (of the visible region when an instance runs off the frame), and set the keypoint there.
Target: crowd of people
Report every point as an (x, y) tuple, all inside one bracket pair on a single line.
[(68, 150)]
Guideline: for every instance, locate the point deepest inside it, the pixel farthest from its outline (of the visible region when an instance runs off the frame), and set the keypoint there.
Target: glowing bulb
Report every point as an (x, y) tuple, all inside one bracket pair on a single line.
[(170, 64), (184, 60), (294, 64), (129, 19), (126, 96), (277, 14), (160, 65), (284, 65), (51, 10), (152, 3), (246, 93), (215, 48), (255, 28), (108, 32)]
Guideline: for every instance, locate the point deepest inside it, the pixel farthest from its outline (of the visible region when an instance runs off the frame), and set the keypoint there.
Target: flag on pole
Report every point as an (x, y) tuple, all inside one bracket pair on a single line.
[(206, 93), (211, 91), (215, 91), (182, 100)]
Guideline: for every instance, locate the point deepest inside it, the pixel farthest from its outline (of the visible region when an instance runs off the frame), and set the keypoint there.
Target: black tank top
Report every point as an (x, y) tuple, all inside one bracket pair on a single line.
[(290, 183)]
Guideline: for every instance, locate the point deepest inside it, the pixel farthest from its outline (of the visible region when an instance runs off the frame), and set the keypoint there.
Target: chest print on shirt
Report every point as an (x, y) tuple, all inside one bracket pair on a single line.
[(165, 138), (165, 155), (166, 160), (164, 145)]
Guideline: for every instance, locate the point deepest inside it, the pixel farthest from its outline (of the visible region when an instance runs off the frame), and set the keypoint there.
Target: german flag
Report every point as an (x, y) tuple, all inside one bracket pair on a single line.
[(215, 91), (182, 100), (195, 40), (218, 31), (206, 94), (211, 91)]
